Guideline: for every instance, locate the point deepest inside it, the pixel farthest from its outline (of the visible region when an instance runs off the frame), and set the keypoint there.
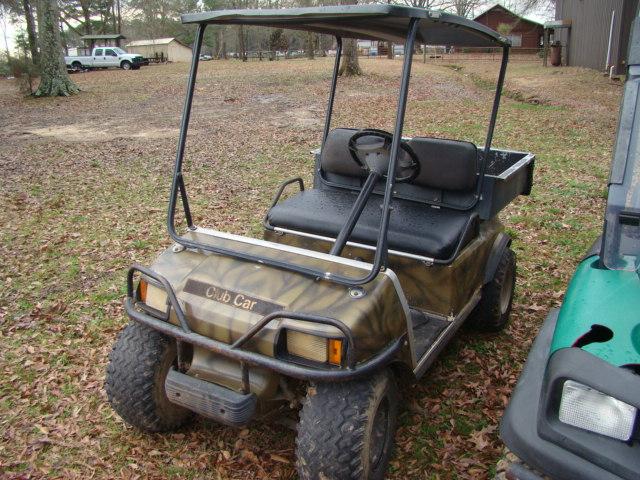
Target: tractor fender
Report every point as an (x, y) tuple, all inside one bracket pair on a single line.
[(500, 244)]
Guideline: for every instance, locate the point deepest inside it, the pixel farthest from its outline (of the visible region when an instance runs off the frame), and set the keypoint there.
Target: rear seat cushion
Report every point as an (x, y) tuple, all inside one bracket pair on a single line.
[(414, 227)]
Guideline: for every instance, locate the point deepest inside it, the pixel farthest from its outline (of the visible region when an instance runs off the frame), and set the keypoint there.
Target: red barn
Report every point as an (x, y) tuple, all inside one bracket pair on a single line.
[(523, 33)]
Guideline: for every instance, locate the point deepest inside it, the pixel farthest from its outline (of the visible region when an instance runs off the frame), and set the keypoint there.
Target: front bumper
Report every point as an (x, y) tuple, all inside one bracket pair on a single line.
[(247, 358), (558, 450)]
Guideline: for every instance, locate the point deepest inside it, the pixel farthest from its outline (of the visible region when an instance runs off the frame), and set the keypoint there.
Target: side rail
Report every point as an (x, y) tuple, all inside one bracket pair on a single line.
[(276, 198), (183, 333)]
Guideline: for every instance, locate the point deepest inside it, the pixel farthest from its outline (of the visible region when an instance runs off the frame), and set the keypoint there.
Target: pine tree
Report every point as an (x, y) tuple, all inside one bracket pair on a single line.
[(54, 79)]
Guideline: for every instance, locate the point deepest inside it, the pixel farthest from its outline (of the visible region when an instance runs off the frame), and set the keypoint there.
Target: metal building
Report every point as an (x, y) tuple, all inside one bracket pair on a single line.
[(598, 33), (168, 49)]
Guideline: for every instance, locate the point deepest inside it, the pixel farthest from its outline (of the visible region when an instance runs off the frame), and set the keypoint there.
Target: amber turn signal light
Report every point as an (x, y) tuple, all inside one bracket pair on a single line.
[(335, 351), (142, 290)]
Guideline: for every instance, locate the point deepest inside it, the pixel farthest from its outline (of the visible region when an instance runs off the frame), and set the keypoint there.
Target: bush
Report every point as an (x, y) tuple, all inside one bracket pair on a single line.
[(25, 71)]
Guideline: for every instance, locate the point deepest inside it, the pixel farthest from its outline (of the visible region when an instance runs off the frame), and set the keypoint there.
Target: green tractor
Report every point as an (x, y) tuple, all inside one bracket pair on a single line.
[(364, 277), (574, 411)]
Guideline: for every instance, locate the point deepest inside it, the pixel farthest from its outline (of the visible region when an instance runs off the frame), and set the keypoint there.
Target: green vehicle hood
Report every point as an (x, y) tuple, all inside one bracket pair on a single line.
[(598, 296)]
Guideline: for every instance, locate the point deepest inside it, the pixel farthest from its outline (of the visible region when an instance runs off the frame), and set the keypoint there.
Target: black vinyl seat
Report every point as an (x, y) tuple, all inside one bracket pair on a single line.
[(413, 228), (448, 168)]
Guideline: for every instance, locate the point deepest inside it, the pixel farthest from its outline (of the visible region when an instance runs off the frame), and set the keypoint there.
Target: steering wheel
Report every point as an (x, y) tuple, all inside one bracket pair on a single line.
[(371, 140)]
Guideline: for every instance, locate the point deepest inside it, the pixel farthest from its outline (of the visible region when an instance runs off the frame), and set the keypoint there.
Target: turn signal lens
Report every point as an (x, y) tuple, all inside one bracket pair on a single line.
[(142, 290), (335, 351)]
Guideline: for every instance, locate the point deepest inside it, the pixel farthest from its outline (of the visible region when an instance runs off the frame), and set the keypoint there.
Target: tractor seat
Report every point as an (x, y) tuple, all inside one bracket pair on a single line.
[(413, 227)]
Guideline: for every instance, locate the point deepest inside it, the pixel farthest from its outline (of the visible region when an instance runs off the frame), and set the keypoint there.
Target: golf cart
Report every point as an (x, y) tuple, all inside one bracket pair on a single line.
[(368, 274), (573, 413)]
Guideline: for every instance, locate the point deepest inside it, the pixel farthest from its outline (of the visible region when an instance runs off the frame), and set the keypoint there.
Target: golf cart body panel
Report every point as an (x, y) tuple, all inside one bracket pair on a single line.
[(602, 298), (437, 289), (223, 297), (574, 412)]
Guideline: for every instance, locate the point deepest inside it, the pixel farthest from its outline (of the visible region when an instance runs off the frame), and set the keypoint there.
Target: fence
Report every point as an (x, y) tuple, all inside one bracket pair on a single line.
[(428, 54)]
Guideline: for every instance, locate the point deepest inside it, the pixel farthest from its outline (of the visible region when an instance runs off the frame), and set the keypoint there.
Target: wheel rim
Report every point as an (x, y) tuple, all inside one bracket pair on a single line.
[(379, 433), (507, 291), (126, 66)]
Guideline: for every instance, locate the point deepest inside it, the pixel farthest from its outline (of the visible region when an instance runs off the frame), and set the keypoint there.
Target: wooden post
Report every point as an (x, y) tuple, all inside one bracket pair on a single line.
[(545, 47)]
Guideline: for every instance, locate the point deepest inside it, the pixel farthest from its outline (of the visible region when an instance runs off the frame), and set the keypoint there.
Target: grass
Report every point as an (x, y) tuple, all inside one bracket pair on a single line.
[(84, 195)]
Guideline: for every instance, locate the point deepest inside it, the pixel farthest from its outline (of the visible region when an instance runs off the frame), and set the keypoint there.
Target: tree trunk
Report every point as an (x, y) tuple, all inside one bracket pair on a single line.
[(350, 66), (241, 43), (310, 45), (31, 30), (390, 53), (54, 79), (86, 13), (222, 46), (119, 15)]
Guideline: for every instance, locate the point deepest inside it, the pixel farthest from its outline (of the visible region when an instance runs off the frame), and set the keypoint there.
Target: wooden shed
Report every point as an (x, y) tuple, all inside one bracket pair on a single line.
[(523, 32), (169, 49)]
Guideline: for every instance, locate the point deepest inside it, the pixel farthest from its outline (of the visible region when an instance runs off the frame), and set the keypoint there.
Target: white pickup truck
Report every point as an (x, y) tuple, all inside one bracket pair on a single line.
[(105, 57)]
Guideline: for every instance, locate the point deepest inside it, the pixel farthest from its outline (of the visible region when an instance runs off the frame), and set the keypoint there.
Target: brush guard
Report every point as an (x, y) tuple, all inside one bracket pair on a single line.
[(159, 321)]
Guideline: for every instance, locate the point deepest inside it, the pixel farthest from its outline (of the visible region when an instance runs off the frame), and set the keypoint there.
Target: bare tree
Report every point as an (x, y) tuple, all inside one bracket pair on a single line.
[(522, 7), (31, 30), (464, 8), (54, 79), (428, 4), (4, 13)]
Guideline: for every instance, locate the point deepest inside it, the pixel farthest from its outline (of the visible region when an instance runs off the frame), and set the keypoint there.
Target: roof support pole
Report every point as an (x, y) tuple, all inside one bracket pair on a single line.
[(381, 250), (332, 93), (184, 126), (494, 111)]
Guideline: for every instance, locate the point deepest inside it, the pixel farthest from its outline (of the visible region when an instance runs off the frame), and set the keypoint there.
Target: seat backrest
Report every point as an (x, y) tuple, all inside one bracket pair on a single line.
[(446, 164), (335, 157), (448, 168)]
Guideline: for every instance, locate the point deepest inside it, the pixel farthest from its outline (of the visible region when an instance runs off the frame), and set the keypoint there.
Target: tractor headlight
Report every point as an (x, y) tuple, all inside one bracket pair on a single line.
[(589, 409), (152, 296), (313, 347)]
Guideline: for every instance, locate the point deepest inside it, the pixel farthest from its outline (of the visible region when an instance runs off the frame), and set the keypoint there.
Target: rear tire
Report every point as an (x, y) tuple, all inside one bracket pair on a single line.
[(347, 429), (77, 66), (138, 366), (125, 65), (493, 311)]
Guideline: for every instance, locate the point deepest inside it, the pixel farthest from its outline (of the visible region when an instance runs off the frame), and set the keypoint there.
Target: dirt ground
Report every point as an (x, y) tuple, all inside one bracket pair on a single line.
[(84, 192)]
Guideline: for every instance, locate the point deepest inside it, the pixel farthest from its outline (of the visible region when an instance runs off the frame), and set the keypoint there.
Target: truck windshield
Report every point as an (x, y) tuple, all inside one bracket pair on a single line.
[(621, 247), (119, 51)]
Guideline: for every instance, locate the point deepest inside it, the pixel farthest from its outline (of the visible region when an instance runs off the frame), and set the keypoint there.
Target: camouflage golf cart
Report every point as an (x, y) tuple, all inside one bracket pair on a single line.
[(365, 276)]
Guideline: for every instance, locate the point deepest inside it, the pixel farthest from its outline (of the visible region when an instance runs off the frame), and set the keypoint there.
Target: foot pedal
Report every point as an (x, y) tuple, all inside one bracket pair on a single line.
[(210, 400)]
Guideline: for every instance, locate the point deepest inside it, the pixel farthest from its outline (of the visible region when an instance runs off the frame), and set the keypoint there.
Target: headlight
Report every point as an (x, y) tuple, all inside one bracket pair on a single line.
[(313, 347), (589, 409), (152, 296)]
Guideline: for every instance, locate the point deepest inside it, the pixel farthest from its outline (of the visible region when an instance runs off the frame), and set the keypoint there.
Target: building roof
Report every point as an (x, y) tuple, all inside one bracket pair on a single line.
[(108, 36), (497, 4), (154, 41), (369, 22)]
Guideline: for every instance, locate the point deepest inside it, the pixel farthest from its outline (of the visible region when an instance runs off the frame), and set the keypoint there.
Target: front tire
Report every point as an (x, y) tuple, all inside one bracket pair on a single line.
[(347, 429), (125, 65), (493, 311), (138, 366)]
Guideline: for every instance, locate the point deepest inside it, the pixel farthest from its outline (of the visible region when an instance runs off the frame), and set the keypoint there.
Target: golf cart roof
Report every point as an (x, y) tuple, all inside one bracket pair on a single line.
[(371, 22)]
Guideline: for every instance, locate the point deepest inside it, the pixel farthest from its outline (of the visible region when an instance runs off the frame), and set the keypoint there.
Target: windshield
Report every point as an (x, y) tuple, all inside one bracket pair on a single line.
[(621, 248), (119, 51)]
